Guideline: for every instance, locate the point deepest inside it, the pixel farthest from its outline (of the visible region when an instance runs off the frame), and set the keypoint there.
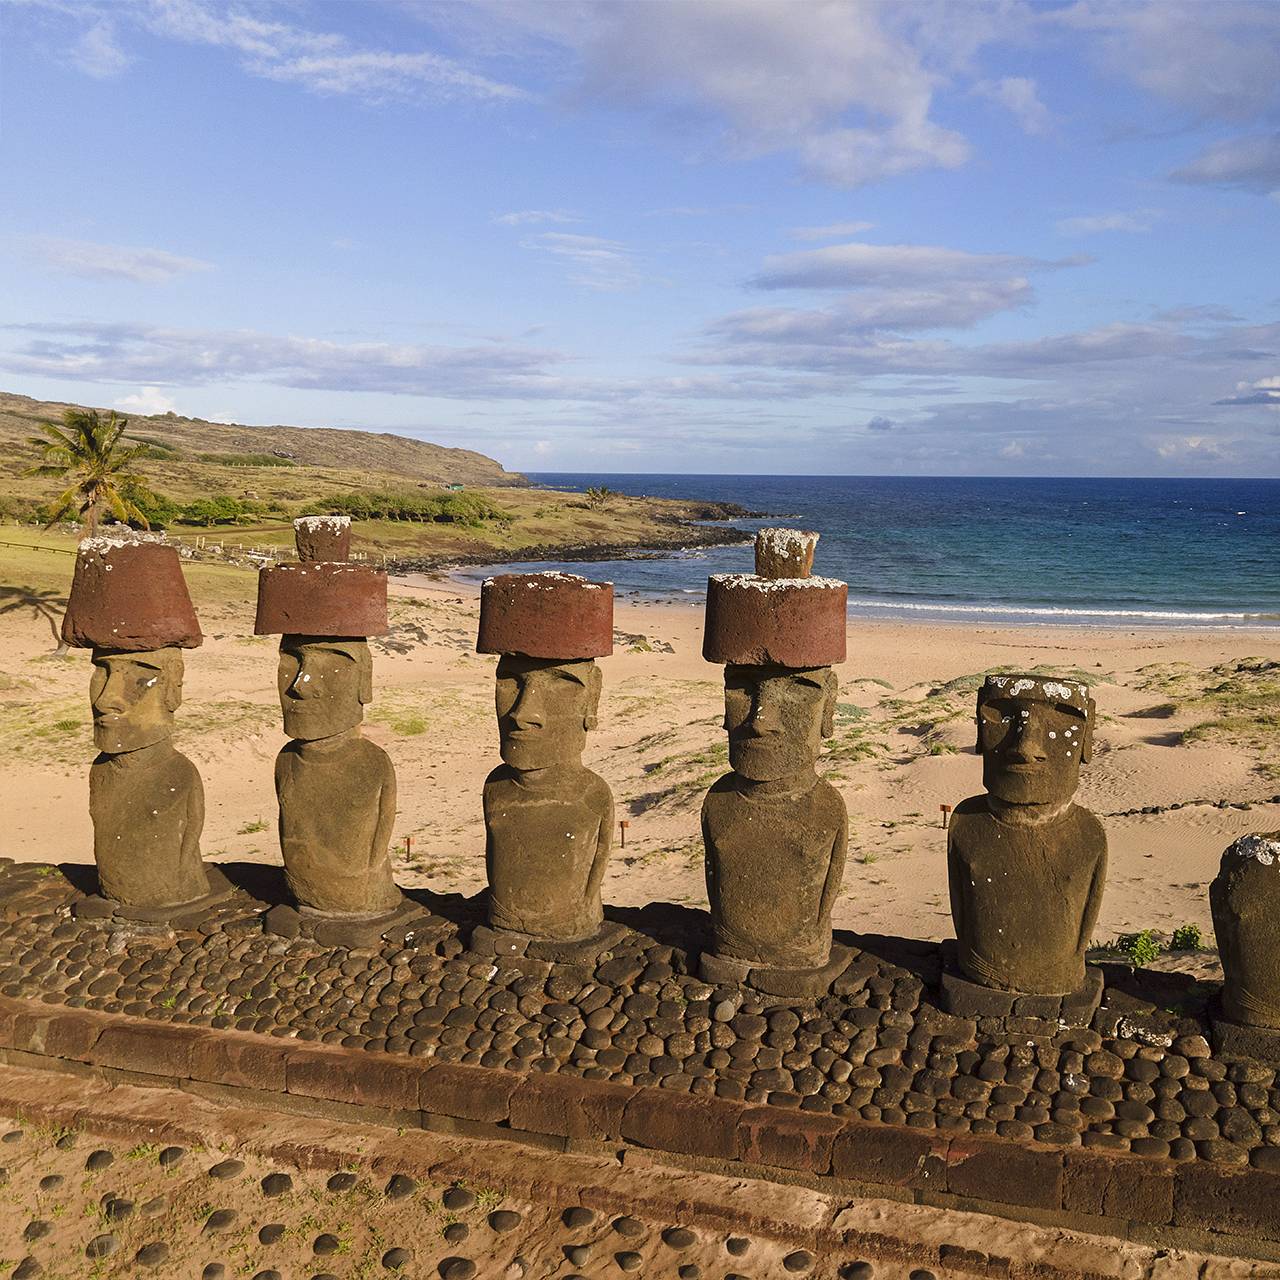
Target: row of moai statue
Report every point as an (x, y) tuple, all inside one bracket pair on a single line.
[(1027, 865)]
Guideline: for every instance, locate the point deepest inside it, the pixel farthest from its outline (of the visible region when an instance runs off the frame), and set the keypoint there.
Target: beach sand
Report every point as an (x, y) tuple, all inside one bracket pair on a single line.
[(903, 747)]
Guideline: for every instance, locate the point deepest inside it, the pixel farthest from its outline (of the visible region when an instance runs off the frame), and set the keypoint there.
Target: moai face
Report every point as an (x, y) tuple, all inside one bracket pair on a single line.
[(1033, 736), (134, 696), (777, 719), (325, 683), (545, 710)]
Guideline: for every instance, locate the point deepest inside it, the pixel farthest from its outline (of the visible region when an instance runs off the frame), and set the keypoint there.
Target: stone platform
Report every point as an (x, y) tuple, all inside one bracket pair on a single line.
[(1133, 1125)]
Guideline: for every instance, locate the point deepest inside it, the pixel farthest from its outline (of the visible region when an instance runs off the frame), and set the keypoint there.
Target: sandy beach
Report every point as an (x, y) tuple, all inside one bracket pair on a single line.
[(1171, 732)]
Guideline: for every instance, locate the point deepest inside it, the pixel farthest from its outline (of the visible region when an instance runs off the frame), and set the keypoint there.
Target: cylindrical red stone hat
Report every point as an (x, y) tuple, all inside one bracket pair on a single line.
[(777, 616), (323, 537), (129, 594), (323, 594), (321, 598), (546, 615)]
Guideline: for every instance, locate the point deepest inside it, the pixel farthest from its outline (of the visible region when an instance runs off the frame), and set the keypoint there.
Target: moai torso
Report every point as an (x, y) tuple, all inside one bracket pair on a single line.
[(774, 865), (1245, 897), (147, 808), (1024, 897), (546, 849), (337, 812), (1025, 863)]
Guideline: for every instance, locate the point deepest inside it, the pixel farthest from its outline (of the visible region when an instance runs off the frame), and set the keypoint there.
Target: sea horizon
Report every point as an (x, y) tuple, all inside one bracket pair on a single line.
[(1026, 551)]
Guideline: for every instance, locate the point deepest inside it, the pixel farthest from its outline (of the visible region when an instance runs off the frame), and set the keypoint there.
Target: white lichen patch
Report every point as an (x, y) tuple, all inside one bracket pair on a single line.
[(103, 543), (750, 582), (1069, 691), (550, 580), (334, 523), (1258, 848)]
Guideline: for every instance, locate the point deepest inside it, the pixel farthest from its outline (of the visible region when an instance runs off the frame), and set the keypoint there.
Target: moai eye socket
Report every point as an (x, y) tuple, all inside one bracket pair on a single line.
[(996, 721)]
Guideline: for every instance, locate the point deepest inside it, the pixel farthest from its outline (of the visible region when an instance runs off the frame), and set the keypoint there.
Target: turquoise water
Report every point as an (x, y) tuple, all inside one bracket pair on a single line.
[(1108, 552)]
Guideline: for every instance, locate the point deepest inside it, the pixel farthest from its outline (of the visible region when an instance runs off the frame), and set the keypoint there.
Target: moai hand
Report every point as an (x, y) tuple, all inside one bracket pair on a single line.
[(775, 833), (129, 603), (1026, 864), (337, 791), (548, 819), (1245, 897)]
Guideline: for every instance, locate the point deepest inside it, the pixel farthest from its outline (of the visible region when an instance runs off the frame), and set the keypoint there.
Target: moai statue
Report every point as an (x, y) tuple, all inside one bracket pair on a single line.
[(129, 603), (1026, 864), (775, 832), (548, 819), (337, 791), (1245, 898)]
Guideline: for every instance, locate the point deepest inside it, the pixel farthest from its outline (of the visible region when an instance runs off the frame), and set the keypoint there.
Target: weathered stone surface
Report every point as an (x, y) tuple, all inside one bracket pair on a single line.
[(788, 1139), (129, 601), (1137, 1190), (548, 820), (891, 1156), (556, 616), (775, 833), (788, 622), (1245, 897), (321, 598), (1026, 864), (569, 1107), (129, 595), (670, 1121), (337, 791), (322, 537), (1005, 1172)]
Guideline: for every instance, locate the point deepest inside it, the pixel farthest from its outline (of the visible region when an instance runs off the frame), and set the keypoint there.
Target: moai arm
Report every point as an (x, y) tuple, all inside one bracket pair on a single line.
[(386, 816), (194, 823), (1094, 905), (835, 869), (955, 884), (604, 842)]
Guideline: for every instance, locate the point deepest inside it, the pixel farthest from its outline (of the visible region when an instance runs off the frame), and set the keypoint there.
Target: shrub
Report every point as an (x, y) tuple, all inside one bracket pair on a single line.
[(246, 460), (1186, 937), (1141, 948)]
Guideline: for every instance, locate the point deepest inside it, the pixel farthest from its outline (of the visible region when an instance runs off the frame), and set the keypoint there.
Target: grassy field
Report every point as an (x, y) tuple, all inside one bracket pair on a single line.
[(497, 514)]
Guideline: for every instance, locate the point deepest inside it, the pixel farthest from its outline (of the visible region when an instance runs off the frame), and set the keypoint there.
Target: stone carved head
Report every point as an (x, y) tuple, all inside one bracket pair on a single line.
[(134, 695), (325, 683), (1033, 735), (545, 710), (777, 718)]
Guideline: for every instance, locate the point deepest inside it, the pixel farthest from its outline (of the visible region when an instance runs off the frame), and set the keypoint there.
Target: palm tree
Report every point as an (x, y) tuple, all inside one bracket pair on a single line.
[(88, 451)]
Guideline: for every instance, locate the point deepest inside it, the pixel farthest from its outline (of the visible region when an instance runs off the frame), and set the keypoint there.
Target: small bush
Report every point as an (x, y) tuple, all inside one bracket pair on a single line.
[(1186, 937), (246, 460), (1141, 948)]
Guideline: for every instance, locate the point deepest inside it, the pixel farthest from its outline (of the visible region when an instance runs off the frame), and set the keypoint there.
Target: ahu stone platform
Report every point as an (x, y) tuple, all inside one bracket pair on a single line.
[(1132, 1126)]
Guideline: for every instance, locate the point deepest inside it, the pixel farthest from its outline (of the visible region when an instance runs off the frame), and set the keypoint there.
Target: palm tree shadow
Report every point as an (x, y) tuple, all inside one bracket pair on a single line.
[(48, 604)]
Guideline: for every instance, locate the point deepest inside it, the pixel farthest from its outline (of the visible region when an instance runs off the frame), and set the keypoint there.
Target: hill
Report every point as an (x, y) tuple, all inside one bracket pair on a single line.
[(194, 457), (244, 485)]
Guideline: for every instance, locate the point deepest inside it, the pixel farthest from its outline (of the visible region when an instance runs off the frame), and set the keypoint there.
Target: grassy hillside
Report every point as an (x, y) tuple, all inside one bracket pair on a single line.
[(251, 481), (193, 457)]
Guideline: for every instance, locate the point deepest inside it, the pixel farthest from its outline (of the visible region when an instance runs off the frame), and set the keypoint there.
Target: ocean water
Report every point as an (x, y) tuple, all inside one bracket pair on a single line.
[(1167, 553)]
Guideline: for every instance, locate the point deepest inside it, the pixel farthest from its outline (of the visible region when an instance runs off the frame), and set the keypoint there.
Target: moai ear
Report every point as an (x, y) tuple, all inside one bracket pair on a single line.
[(832, 682), (173, 671), (366, 676), (1086, 739), (595, 683)]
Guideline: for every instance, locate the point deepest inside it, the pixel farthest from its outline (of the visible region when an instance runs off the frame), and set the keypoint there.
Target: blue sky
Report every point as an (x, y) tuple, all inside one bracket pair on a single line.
[(713, 235)]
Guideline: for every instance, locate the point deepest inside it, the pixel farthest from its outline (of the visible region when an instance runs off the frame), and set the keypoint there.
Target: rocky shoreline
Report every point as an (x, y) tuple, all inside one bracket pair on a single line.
[(685, 533)]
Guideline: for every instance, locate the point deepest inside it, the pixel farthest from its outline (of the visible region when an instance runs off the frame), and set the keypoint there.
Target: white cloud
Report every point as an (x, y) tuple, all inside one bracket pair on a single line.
[(113, 262), (320, 61), (847, 88), (1265, 391), (1249, 163), (846, 266), (832, 231), (1092, 224), (1018, 96), (532, 217), (596, 263), (1219, 60), (97, 53), (155, 357), (147, 400)]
